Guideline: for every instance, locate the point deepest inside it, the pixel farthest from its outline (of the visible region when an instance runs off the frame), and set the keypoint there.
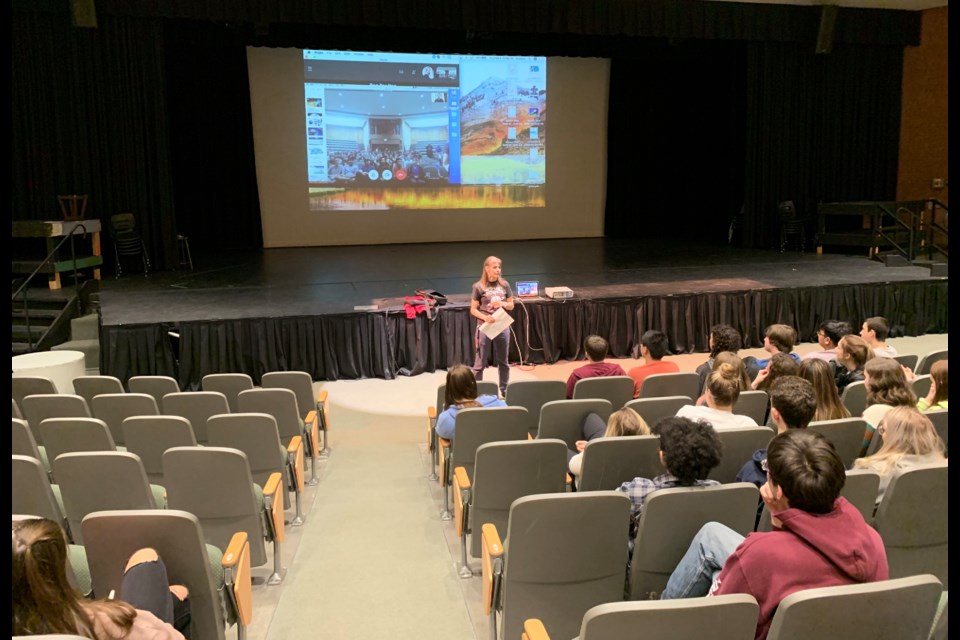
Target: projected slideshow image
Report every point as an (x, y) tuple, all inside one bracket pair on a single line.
[(424, 131)]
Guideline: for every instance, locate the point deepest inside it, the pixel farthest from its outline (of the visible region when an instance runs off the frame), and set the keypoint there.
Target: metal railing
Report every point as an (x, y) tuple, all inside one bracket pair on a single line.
[(24, 287), (931, 228)]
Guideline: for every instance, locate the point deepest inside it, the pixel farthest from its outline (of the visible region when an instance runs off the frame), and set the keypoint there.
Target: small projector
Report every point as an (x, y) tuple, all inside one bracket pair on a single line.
[(559, 293)]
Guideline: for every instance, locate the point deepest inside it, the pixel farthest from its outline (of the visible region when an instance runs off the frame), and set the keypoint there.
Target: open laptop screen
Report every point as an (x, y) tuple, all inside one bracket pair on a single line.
[(528, 289)]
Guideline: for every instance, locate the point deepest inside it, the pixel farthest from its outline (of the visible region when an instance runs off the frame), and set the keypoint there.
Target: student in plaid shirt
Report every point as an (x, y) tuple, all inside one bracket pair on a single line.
[(689, 450)]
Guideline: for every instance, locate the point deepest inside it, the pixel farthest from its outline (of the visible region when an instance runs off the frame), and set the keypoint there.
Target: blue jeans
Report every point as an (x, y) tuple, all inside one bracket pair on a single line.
[(704, 559), (499, 347)]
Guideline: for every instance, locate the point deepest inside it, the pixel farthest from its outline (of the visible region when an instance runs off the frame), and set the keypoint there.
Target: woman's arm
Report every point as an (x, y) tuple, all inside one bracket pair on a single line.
[(476, 313)]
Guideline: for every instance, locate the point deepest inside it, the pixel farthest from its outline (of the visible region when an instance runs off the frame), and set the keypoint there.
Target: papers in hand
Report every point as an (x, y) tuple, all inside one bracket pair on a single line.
[(501, 320)]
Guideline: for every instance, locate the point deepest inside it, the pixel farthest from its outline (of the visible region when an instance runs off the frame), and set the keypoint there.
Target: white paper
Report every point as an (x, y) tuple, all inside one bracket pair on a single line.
[(501, 320)]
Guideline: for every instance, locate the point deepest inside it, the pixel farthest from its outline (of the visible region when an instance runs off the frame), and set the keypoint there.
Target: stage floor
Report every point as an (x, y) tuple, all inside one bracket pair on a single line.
[(333, 280)]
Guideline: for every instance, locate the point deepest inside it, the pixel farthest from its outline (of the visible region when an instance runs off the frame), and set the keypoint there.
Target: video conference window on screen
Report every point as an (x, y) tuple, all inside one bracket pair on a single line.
[(424, 131)]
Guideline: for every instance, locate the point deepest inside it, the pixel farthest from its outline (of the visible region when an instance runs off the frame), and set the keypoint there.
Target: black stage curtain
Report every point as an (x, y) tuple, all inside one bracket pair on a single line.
[(90, 117), (384, 345)]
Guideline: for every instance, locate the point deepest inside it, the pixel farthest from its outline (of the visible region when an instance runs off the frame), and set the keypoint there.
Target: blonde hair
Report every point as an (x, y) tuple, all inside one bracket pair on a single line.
[(626, 422), (857, 349), (906, 431), (724, 385), (731, 358), (483, 271)]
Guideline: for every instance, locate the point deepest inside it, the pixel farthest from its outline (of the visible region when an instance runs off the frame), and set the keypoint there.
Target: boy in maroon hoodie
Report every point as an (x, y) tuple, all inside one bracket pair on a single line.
[(818, 538), (596, 349)]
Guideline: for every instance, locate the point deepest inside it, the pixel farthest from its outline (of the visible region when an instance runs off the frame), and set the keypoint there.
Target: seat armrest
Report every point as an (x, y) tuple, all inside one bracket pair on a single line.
[(461, 498), (444, 445), (312, 429), (530, 436), (492, 563), (533, 629), (432, 413), (322, 397), (569, 480), (236, 575), (274, 501), (295, 456)]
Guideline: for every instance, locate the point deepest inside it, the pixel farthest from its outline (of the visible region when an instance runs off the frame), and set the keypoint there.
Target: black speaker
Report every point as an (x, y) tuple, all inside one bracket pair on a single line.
[(83, 13), (828, 20)]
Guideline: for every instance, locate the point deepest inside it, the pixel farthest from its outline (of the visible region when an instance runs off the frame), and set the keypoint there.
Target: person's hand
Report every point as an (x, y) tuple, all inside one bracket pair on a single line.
[(489, 319), (933, 392), (702, 400), (774, 499), (761, 376), (581, 445), (495, 304), (908, 372)]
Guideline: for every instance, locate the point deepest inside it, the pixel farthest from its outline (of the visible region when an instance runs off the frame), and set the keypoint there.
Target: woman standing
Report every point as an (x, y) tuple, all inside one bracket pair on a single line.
[(491, 292)]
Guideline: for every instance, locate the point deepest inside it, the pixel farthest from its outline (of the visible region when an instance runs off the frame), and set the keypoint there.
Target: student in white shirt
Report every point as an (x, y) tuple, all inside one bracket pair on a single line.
[(723, 390)]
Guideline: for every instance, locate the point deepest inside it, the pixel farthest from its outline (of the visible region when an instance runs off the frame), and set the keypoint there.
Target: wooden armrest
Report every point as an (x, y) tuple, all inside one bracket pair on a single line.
[(461, 485), (569, 480), (492, 550), (529, 437), (322, 396), (295, 449), (236, 574), (272, 490), (533, 629), (432, 413), (313, 430), (461, 478)]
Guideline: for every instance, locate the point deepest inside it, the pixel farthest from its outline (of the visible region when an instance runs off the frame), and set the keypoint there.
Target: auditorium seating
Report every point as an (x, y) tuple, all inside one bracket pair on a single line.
[(114, 408), (563, 419), (618, 390), (229, 384), (196, 407), (150, 436), (90, 385), (739, 445), (156, 386), (652, 410), (532, 395), (484, 387), (846, 435), (609, 462)]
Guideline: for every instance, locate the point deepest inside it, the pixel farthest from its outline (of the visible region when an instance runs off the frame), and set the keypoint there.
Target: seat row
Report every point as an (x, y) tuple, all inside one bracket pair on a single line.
[(557, 577)]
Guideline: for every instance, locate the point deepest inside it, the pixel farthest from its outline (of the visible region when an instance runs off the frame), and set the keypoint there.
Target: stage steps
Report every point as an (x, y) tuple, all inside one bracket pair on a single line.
[(51, 312)]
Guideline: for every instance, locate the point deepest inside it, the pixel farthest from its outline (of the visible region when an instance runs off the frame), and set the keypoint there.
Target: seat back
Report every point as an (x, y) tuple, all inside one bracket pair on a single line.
[(24, 444), (256, 435), (67, 435), (609, 462), (480, 425), (114, 408), (658, 385), (923, 367), (558, 578), (150, 436), (39, 407), (754, 403), (101, 480), (229, 384), (299, 382), (939, 420), (899, 608), (90, 386), (921, 385), (214, 484), (563, 419), (861, 489), (854, 398), (672, 517), (727, 617), (739, 445), (24, 386), (652, 410), (32, 493), (617, 389), (279, 403), (197, 407), (16, 410), (907, 360), (484, 388), (156, 386), (505, 471), (112, 536), (532, 395), (912, 520), (846, 435)]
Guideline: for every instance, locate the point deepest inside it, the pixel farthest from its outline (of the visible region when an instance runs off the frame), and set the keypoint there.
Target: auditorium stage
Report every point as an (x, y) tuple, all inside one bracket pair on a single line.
[(257, 311)]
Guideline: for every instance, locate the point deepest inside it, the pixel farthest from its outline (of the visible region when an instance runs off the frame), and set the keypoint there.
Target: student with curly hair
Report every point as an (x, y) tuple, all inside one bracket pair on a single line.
[(689, 450), (44, 602)]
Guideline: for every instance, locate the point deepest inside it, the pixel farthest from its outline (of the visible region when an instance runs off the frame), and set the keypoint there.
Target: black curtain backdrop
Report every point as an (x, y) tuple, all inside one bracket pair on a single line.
[(356, 346)]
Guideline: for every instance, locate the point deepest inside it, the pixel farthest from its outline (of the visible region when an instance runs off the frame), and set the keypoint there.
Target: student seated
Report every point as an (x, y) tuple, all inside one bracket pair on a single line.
[(874, 332), (653, 346), (723, 390), (596, 349), (625, 422), (460, 392)]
